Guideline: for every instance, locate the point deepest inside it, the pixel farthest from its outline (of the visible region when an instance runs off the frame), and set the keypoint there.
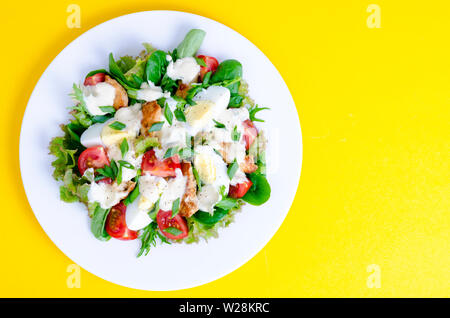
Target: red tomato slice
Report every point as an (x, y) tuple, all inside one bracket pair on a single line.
[(211, 65), (161, 168), (116, 225), (94, 79), (165, 220), (250, 133), (239, 190), (94, 157)]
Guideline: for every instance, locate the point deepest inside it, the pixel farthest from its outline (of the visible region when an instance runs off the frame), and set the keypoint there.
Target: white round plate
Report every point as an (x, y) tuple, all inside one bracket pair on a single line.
[(67, 225)]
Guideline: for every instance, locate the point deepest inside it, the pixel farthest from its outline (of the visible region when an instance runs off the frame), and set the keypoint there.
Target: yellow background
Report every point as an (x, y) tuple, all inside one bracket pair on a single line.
[(374, 111)]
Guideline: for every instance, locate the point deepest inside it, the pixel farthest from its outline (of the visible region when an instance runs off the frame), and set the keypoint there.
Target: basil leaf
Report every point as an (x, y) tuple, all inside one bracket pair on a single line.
[(156, 126), (191, 43), (173, 230), (117, 125), (124, 147), (175, 207), (232, 169), (98, 223), (107, 109), (259, 192)]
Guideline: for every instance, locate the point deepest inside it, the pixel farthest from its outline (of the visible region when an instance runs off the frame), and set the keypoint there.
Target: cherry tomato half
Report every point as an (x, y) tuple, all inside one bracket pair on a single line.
[(94, 79), (94, 157), (160, 168), (211, 65), (116, 225), (250, 133), (239, 190), (165, 221)]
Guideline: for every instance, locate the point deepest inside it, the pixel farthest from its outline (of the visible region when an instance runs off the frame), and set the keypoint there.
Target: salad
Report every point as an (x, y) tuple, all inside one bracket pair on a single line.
[(162, 147)]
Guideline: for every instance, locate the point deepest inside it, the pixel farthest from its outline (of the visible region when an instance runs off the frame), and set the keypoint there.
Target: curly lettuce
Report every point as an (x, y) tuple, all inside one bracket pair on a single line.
[(66, 150)]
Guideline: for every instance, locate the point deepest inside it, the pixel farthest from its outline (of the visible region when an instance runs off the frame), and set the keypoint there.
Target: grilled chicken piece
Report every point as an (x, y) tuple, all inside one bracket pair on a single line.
[(248, 165), (183, 90), (125, 188), (121, 97), (189, 202), (151, 113)]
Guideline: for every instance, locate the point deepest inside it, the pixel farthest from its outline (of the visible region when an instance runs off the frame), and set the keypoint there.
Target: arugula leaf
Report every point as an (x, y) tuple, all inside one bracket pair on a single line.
[(253, 110), (148, 238), (78, 96), (124, 147), (117, 125), (191, 43)]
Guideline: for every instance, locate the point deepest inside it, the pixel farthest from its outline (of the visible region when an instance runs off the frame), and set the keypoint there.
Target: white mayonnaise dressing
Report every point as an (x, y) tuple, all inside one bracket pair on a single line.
[(175, 189), (149, 92), (107, 195), (185, 69), (101, 94)]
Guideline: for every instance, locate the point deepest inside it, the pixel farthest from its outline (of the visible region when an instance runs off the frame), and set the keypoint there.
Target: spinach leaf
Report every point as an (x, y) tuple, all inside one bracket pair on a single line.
[(96, 72), (228, 70), (208, 219), (117, 73), (259, 192), (156, 67), (98, 223), (191, 43)]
